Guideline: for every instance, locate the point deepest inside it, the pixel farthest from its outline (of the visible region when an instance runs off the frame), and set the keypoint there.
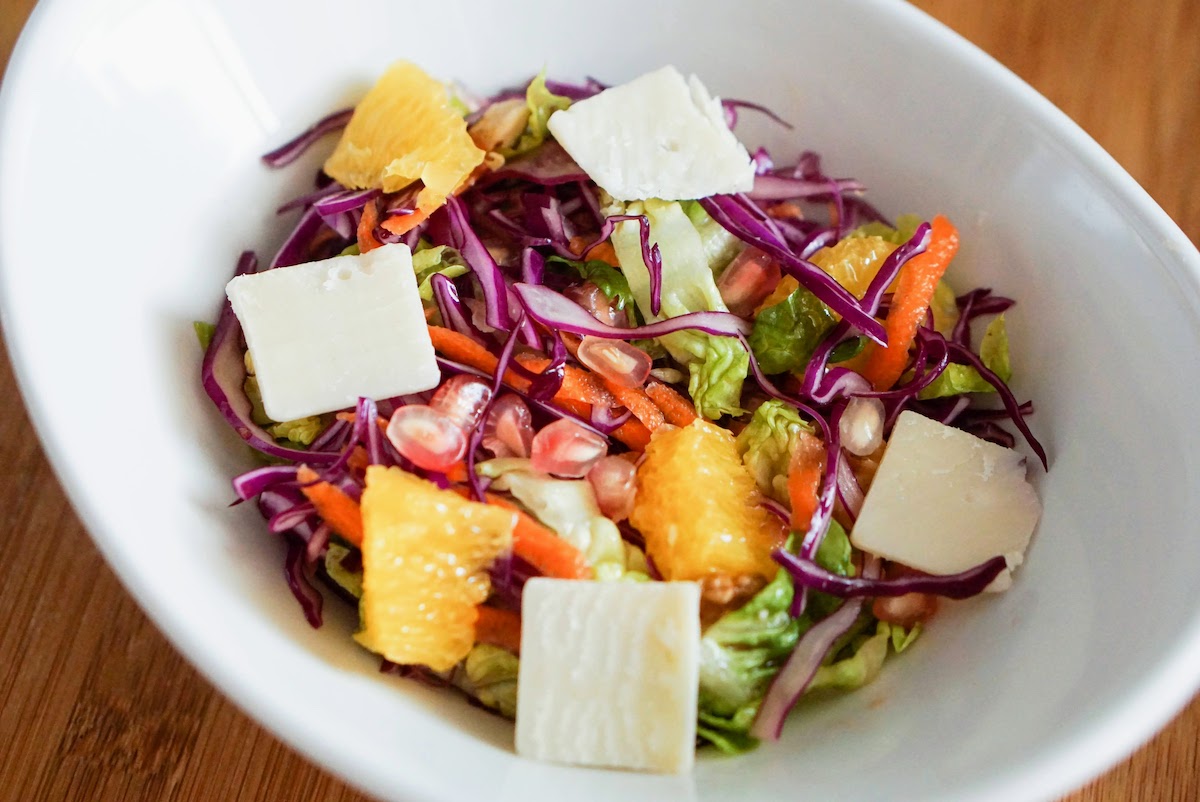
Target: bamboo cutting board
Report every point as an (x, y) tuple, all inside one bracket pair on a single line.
[(97, 706)]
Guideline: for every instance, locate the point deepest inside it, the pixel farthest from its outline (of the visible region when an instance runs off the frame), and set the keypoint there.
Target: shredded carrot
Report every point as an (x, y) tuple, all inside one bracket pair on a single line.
[(367, 241), (578, 384), (804, 480), (601, 251), (639, 403), (540, 546), (786, 210), (677, 410), (634, 434), (403, 223), (579, 391), (498, 628), (457, 472), (358, 460), (914, 290), (341, 512)]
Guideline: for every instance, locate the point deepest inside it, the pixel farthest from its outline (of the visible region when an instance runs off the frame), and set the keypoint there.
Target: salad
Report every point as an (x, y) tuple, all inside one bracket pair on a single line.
[(615, 426)]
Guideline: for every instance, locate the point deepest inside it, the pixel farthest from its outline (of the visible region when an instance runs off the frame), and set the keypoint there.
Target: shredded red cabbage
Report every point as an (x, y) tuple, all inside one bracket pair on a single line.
[(555, 311), (290, 151), (806, 573)]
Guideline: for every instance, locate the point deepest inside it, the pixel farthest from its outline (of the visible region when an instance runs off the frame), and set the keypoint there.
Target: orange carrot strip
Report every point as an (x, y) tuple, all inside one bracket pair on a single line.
[(498, 628), (367, 241), (914, 290), (577, 384), (403, 223), (804, 480), (341, 512), (675, 408), (639, 403), (457, 472), (358, 460), (461, 348), (601, 251), (542, 548), (634, 434)]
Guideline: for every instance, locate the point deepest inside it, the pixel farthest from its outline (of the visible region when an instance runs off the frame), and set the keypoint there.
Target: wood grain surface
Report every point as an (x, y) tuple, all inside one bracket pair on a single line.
[(97, 706)]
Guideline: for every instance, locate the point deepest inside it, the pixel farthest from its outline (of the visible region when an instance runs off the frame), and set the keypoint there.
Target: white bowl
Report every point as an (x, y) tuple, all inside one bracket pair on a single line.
[(128, 150)]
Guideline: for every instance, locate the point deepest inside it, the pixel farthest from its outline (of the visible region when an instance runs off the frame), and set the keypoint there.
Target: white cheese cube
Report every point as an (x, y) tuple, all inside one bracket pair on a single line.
[(609, 673), (658, 136), (322, 334), (944, 501)]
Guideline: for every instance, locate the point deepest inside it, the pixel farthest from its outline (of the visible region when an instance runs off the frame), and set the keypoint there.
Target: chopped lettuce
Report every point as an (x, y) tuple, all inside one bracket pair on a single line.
[(715, 382), (903, 638), (302, 430), (542, 103), (957, 379), (568, 506), (860, 668), (717, 365), (428, 262), (786, 334), (739, 656), (906, 226), (349, 581), (610, 280), (719, 245), (490, 675), (767, 444), (204, 333), (836, 556), (945, 308)]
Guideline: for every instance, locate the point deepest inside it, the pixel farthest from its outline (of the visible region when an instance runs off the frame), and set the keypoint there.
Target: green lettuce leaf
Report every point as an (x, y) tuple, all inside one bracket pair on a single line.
[(302, 430), (786, 334), (428, 262), (490, 675), (767, 444), (906, 226), (739, 656), (542, 103), (715, 382), (860, 668), (957, 379), (611, 281), (903, 638), (836, 556), (349, 581), (204, 333), (719, 245), (687, 286), (569, 507)]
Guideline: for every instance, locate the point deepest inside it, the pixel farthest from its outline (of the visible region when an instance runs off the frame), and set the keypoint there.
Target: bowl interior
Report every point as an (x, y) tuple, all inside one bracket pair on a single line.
[(155, 111)]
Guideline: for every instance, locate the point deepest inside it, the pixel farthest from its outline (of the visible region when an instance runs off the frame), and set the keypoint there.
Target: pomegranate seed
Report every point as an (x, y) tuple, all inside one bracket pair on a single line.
[(749, 279), (906, 610), (564, 448), (462, 399), (616, 360), (593, 299), (612, 480), (430, 439), (508, 430), (861, 426)]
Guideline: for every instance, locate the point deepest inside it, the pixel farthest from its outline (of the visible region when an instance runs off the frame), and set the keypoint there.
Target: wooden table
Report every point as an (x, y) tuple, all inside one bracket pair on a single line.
[(97, 705)]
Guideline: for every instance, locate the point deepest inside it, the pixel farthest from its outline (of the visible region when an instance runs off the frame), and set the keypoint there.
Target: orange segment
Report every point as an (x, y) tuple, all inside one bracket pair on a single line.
[(695, 506), (425, 555), (854, 261), (405, 130)]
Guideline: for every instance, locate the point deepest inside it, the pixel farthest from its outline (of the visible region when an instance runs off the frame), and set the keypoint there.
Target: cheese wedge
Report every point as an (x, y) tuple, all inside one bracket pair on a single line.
[(944, 501), (609, 673), (322, 334), (658, 136)]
